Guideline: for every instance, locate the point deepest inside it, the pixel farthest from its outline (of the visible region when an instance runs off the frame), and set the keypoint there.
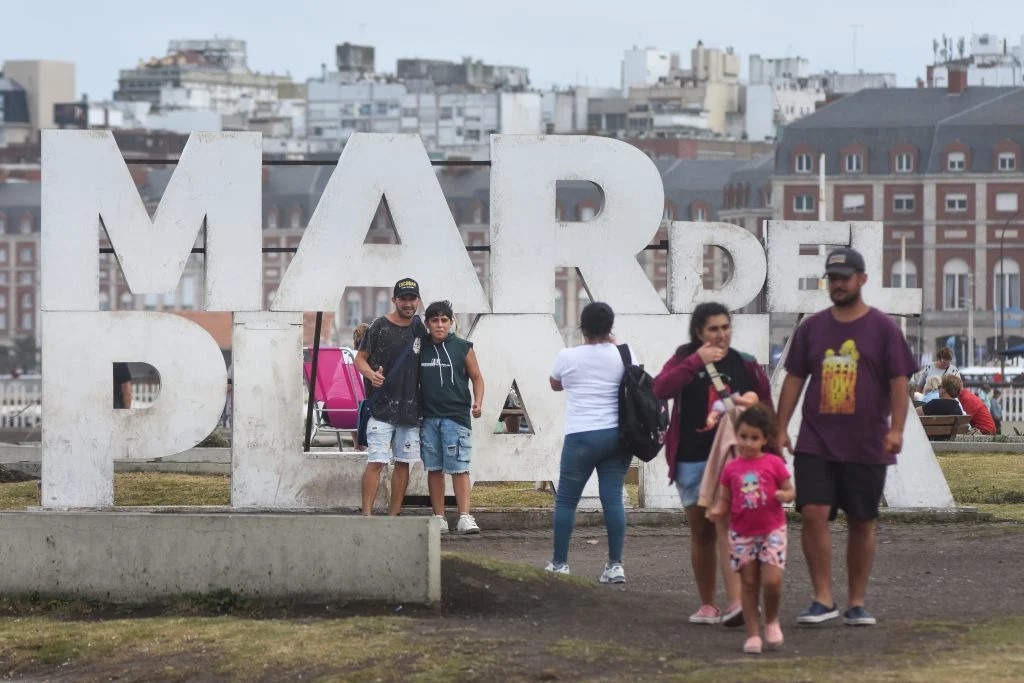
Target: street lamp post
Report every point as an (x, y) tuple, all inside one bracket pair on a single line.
[(1002, 295)]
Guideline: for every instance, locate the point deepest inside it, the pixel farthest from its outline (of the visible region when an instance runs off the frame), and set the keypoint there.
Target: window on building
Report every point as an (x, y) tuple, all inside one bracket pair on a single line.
[(446, 113), (587, 212), (365, 109), (150, 301), (700, 213), (903, 274), (127, 301), (956, 161), (954, 285), (189, 292), (382, 108), (809, 283), (905, 162), (1006, 284), (25, 278), (803, 203), (803, 163), (25, 255), (382, 304), (853, 203), (272, 219), (1006, 202), (26, 300), (3, 224), (170, 299), (668, 214), (26, 225), (3, 254), (295, 218), (559, 307), (1007, 161), (104, 301), (956, 202), (854, 163), (3, 301), (26, 321), (903, 203), (353, 309), (3, 321)]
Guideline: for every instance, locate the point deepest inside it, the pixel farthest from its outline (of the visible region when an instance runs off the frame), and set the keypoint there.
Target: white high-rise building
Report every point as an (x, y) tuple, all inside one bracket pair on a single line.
[(646, 66)]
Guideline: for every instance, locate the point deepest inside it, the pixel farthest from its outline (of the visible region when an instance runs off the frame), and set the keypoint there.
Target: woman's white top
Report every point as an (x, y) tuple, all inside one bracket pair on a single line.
[(590, 375)]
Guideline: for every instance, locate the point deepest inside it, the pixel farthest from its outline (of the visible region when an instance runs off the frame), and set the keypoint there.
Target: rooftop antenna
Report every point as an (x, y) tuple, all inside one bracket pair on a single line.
[(855, 27)]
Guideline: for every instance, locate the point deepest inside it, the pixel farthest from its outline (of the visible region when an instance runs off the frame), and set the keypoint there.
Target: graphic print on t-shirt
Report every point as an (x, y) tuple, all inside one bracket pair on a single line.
[(839, 380), (750, 486)]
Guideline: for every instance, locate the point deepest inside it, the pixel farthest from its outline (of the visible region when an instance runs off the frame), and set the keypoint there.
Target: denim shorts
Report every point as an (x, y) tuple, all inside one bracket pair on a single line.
[(688, 476), (385, 441), (445, 445)]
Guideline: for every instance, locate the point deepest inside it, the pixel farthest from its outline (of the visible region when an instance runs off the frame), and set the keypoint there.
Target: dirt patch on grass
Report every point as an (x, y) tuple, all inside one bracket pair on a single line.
[(949, 600)]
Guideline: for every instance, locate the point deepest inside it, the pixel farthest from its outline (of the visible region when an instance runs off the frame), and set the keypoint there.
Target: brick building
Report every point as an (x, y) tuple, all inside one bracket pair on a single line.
[(942, 169)]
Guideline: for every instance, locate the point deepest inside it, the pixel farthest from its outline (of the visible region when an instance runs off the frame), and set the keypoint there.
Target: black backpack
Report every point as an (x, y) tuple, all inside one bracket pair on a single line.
[(643, 418)]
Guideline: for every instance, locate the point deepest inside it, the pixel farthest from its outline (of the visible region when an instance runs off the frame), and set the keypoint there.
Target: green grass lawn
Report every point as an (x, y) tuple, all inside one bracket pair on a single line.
[(993, 483)]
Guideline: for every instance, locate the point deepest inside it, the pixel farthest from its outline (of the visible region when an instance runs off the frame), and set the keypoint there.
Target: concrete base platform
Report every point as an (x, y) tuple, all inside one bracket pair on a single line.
[(146, 556)]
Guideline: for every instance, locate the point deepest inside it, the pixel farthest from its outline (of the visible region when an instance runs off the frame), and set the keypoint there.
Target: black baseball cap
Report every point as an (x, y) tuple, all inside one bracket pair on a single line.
[(407, 286), (844, 261)]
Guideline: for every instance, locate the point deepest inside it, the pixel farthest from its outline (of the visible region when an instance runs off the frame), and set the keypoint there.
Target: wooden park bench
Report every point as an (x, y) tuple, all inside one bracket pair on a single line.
[(945, 427)]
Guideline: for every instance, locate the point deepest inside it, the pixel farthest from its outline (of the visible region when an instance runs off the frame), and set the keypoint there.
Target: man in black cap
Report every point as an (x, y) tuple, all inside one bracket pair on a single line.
[(388, 358), (857, 363)]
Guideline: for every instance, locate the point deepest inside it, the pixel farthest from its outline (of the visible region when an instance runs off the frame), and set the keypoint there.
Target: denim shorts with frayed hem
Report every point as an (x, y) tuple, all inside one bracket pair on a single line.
[(445, 445), (385, 441), (688, 476)]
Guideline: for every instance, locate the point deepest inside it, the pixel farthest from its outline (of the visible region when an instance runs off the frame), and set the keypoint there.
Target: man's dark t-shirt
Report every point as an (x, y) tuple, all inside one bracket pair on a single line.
[(398, 402), (121, 376), (943, 406)]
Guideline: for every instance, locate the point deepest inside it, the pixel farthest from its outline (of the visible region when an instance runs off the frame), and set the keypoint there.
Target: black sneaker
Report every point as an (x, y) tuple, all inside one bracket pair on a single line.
[(817, 613), (858, 616)]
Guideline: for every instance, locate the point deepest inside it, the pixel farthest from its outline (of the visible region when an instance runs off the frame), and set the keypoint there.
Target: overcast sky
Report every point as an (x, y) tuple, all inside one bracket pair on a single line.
[(560, 42)]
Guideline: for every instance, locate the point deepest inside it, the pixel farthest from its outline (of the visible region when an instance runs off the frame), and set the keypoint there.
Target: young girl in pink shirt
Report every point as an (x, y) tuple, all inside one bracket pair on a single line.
[(754, 487)]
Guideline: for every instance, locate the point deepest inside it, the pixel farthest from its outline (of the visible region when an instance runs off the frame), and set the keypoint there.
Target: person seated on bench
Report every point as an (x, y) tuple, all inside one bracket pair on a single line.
[(931, 389), (946, 403), (981, 418)]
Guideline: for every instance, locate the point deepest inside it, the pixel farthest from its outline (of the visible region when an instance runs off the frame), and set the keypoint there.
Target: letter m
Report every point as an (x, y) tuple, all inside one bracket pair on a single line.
[(86, 185)]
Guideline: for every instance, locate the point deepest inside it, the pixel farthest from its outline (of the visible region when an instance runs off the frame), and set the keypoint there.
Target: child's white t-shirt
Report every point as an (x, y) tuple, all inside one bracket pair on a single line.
[(590, 375)]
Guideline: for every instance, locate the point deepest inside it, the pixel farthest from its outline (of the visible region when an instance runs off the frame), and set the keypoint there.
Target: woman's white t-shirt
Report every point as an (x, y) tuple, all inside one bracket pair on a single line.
[(590, 375)]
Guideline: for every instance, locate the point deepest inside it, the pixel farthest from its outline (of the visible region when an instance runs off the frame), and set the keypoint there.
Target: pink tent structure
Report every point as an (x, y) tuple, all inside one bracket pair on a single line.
[(337, 391)]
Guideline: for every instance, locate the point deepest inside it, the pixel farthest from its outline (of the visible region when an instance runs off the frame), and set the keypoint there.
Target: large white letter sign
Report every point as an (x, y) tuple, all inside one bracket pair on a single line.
[(686, 242), (86, 183), (528, 242), (786, 266), (332, 255), (83, 434)]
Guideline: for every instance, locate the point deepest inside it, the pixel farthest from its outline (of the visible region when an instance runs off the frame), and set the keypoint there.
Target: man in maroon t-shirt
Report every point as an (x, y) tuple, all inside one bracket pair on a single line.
[(855, 363)]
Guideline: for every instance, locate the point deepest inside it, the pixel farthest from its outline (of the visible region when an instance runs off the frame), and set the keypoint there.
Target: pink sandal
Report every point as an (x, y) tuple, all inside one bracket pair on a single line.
[(773, 639), (752, 646)]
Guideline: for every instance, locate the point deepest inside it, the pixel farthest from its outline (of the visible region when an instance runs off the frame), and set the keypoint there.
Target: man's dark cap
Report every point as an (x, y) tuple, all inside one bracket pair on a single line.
[(844, 261), (407, 286)]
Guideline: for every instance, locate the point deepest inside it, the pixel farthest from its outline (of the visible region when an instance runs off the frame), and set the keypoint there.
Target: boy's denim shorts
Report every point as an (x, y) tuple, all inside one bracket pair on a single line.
[(445, 445)]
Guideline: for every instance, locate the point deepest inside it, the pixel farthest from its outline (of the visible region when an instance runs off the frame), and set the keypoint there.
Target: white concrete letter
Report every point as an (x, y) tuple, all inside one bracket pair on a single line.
[(332, 255), (87, 184), (83, 434), (528, 242), (686, 271)]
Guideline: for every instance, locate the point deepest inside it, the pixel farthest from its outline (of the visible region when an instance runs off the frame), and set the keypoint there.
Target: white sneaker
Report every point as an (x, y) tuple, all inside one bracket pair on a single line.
[(613, 573), (444, 523), (467, 525), (557, 568)]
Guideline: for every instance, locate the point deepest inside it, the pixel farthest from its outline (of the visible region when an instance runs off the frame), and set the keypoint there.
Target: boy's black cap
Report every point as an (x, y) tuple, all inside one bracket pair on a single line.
[(406, 286), (844, 261)]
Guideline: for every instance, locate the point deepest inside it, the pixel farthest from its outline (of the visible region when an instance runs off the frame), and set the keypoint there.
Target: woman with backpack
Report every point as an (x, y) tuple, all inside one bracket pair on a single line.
[(590, 374), (688, 443)]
